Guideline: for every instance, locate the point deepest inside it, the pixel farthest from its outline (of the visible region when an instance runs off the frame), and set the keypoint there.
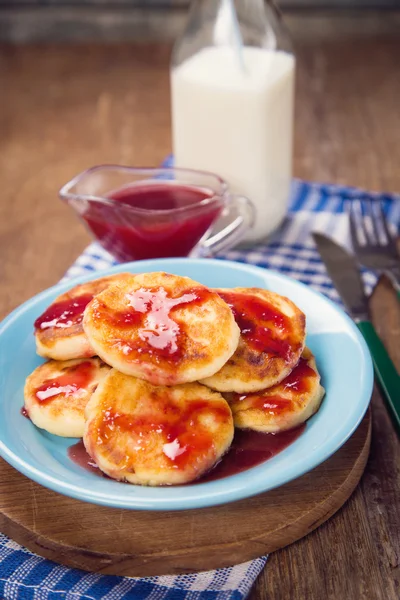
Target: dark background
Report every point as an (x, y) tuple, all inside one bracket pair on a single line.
[(126, 20)]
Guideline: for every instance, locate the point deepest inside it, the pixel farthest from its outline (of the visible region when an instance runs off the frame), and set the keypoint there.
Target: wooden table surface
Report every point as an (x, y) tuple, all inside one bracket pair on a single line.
[(66, 108)]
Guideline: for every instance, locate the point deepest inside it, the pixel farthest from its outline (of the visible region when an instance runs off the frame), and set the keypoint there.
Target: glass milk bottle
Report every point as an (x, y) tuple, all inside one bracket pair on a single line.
[(232, 85)]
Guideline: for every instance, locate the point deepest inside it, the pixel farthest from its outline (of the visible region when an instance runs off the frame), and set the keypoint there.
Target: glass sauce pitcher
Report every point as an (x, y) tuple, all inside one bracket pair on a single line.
[(139, 213)]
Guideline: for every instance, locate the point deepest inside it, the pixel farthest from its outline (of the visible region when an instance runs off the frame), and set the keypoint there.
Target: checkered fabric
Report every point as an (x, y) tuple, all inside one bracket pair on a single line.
[(313, 207), (25, 576)]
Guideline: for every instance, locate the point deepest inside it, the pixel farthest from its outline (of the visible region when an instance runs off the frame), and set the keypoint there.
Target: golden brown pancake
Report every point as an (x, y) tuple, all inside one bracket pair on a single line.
[(156, 435), (58, 331), (271, 341), (57, 392), (162, 328), (283, 406)]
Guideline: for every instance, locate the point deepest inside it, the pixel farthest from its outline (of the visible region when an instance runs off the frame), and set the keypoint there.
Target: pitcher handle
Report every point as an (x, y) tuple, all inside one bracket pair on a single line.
[(242, 213)]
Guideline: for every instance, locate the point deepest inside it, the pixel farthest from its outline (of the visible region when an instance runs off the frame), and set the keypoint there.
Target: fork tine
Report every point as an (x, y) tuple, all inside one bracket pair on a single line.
[(354, 213), (363, 223), (374, 217), (389, 238)]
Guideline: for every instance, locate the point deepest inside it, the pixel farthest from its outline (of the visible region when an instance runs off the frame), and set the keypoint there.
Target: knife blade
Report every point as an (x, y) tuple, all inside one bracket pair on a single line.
[(344, 272)]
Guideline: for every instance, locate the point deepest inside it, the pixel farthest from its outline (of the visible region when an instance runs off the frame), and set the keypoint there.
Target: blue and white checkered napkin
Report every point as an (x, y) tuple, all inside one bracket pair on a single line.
[(25, 576)]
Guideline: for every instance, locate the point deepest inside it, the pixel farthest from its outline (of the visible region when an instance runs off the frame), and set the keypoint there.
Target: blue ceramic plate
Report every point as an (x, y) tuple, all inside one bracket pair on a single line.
[(341, 354)]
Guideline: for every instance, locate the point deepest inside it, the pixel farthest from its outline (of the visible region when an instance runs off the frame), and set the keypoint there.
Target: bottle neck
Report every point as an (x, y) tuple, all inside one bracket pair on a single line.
[(254, 23)]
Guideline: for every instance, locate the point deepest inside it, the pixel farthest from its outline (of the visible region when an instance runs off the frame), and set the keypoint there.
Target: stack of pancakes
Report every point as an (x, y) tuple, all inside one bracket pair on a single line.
[(155, 371)]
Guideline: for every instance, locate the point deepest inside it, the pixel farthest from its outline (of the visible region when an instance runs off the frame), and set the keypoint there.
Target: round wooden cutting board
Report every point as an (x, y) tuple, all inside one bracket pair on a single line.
[(140, 543)]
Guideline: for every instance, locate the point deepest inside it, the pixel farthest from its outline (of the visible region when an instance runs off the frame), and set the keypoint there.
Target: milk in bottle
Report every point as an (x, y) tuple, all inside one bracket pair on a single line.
[(233, 115)]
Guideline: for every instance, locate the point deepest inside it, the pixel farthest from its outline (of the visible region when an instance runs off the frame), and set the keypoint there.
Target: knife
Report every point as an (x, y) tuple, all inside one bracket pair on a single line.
[(343, 270)]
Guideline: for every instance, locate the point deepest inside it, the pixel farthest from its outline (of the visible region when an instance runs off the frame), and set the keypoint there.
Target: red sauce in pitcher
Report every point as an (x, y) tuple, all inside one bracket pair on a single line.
[(133, 236)]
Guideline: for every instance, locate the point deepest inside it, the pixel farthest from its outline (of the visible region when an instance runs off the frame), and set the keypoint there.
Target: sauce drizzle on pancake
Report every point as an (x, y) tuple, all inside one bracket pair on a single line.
[(160, 335), (158, 329), (273, 405), (261, 324), (71, 383), (298, 380), (184, 435), (64, 313)]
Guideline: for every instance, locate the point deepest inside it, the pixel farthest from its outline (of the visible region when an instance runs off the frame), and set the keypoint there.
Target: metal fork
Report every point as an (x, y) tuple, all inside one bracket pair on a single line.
[(373, 244)]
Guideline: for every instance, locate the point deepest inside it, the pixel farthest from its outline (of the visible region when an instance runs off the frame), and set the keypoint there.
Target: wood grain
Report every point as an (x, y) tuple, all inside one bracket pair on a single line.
[(356, 554), (64, 108), (120, 542)]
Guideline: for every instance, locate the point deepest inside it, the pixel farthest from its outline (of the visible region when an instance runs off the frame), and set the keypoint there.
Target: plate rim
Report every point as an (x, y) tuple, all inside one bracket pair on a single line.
[(215, 496)]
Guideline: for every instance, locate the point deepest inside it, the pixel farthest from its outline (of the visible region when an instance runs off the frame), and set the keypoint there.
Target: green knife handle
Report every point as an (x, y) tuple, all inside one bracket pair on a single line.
[(385, 371)]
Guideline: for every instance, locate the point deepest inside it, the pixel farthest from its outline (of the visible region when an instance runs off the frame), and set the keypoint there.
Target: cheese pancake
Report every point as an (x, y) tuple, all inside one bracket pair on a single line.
[(282, 406), (271, 342), (162, 328), (156, 435), (58, 331), (57, 392)]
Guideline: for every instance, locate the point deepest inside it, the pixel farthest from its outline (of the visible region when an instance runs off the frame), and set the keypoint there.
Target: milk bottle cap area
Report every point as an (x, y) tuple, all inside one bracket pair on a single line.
[(232, 91)]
